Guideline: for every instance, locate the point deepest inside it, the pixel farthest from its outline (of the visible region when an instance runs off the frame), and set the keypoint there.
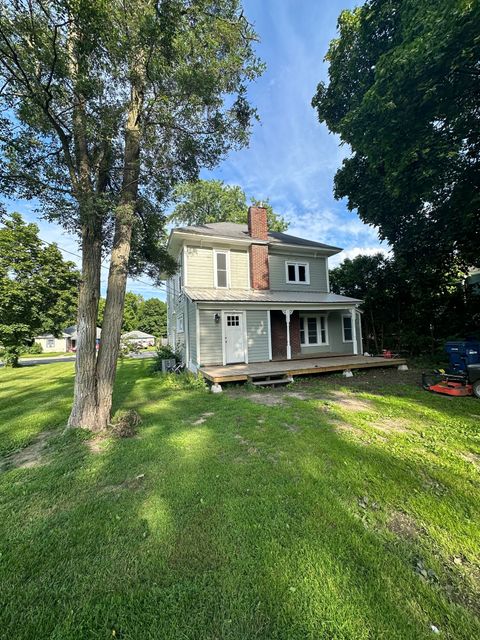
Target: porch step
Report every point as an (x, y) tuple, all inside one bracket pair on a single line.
[(269, 379)]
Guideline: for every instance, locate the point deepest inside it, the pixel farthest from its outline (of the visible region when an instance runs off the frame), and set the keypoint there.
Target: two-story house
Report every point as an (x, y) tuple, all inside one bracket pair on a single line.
[(243, 293)]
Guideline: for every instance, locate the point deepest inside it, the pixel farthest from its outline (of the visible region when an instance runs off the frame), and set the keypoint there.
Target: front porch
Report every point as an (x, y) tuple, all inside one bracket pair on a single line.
[(299, 367)]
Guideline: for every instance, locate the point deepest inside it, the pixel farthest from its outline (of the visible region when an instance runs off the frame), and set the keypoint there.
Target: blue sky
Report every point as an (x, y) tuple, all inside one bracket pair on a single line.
[(291, 158)]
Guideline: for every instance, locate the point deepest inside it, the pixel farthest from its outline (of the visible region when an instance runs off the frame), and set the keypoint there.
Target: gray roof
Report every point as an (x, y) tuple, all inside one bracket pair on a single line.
[(137, 335), (240, 232), (72, 332), (267, 296)]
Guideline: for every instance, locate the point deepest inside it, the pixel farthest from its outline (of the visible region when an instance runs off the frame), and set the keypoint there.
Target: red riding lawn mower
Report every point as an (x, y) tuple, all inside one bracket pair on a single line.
[(454, 384), (463, 375)]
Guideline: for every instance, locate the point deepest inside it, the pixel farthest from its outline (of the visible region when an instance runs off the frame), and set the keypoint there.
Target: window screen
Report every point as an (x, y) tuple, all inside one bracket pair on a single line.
[(291, 273), (221, 270), (312, 330), (302, 276)]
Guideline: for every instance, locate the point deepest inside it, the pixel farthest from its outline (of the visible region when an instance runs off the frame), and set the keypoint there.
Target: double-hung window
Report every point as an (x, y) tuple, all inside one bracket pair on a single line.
[(297, 272), (50, 343), (180, 323), (347, 328), (221, 269), (313, 331)]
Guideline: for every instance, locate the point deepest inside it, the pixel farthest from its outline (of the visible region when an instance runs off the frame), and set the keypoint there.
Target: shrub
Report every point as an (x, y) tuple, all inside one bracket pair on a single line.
[(35, 348), (165, 353), (125, 423)]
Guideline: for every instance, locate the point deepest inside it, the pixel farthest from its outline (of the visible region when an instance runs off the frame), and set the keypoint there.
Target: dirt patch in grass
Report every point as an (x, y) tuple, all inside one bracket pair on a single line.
[(473, 458), (392, 425), (203, 418), (345, 427), (350, 402), (33, 455), (96, 444), (273, 398), (131, 484), (403, 526)]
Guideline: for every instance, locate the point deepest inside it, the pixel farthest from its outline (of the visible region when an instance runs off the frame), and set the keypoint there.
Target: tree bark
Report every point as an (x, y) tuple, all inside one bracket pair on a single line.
[(83, 412), (118, 273)]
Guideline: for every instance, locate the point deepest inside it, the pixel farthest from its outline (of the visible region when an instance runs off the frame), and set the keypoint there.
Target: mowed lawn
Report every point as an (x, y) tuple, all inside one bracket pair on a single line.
[(332, 509)]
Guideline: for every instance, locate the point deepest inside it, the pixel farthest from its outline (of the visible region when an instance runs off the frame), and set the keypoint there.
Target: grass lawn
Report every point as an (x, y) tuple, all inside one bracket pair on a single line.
[(46, 354), (332, 509)]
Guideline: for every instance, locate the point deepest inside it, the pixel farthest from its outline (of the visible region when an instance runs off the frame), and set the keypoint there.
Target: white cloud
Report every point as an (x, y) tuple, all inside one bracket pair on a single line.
[(357, 251)]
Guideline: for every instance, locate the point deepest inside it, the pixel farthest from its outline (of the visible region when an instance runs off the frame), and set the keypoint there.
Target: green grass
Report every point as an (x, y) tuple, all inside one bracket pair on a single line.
[(46, 354), (306, 519)]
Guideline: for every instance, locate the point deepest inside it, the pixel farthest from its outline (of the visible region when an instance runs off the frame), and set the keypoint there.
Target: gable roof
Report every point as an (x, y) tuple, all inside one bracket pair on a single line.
[(231, 230), (72, 332), (136, 335)]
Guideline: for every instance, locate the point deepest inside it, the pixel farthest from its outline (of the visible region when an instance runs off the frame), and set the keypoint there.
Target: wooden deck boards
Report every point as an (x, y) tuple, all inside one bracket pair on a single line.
[(309, 366)]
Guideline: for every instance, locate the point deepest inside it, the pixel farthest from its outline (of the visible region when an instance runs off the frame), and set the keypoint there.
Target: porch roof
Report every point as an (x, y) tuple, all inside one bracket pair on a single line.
[(267, 296)]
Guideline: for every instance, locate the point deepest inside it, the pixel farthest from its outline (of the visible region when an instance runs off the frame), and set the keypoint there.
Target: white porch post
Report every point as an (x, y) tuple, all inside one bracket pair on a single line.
[(354, 330), (288, 313)]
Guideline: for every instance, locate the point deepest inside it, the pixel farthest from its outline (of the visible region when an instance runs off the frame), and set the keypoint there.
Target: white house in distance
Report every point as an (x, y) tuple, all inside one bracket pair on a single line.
[(140, 338), (66, 342), (244, 294)]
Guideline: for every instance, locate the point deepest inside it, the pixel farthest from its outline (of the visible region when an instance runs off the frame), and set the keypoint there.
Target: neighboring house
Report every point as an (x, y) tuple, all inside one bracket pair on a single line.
[(67, 341), (140, 338), (244, 294), (52, 344)]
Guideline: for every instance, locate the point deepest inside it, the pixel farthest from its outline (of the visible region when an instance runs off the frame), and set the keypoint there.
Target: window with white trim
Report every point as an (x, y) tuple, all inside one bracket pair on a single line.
[(50, 343), (347, 328), (221, 269), (297, 272), (313, 331), (180, 322)]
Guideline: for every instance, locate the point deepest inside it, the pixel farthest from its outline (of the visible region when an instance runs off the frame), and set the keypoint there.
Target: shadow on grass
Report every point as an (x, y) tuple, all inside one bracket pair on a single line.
[(233, 528)]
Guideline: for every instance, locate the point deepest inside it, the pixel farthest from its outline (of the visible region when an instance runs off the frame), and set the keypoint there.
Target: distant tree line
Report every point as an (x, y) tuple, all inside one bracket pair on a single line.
[(140, 315), (399, 313)]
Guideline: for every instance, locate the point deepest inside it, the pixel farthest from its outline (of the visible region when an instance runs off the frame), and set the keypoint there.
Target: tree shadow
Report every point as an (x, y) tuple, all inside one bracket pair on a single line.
[(230, 528)]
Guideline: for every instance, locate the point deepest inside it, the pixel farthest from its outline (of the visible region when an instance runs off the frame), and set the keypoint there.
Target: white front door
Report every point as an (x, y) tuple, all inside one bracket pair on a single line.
[(233, 332)]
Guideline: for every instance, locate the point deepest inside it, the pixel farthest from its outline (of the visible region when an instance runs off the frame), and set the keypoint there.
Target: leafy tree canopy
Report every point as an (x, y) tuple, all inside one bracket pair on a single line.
[(38, 289), (140, 315), (403, 93), (206, 201), (106, 105), (152, 317)]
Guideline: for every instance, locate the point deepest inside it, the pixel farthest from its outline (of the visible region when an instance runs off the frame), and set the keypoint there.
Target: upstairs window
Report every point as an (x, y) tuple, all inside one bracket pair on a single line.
[(347, 328), (221, 269), (297, 272), (313, 331)]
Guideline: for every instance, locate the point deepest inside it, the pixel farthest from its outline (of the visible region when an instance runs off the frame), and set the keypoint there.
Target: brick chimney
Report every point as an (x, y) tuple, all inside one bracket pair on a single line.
[(258, 230)]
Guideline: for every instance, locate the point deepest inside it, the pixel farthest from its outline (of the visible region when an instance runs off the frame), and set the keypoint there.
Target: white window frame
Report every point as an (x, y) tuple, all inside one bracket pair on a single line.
[(227, 262), (347, 315), (49, 343), (180, 323), (297, 264), (318, 317)]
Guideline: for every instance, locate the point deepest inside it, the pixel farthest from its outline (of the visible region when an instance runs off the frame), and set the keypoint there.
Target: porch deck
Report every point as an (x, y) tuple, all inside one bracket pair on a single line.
[(304, 367)]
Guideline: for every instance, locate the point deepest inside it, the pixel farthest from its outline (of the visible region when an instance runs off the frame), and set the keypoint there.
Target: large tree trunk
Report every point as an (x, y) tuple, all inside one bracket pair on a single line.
[(83, 412), (117, 277)]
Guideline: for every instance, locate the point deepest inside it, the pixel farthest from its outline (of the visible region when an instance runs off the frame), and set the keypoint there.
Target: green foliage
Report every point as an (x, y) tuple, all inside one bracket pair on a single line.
[(403, 94), (205, 201), (140, 315), (38, 289), (152, 317), (397, 313), (35, 348), (62, 131), (184, 380)]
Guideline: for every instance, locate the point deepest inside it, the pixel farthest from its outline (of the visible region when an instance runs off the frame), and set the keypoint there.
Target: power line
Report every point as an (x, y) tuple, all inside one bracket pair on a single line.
[(103, 266)]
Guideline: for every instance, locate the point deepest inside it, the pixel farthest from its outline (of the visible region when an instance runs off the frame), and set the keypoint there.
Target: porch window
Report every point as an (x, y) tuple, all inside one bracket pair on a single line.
[(313, 330), (221, 269), (297, 272), (347, 328)]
